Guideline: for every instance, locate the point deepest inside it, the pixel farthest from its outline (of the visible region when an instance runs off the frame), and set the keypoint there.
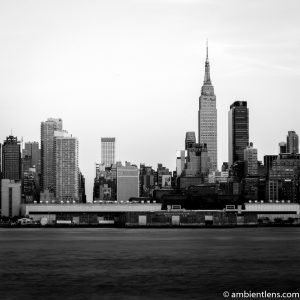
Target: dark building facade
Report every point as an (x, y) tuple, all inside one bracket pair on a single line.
[(32, 151), (11, 159), (190, 140), (196, 167), (224, 167), (146, 181), (47, 152), (81, 181), (26, 163), (238, 131), (105, 183), (292, 142), (163, 176), (268, 161), (30, 187), (282, 147), (0, 161), (283, 180)]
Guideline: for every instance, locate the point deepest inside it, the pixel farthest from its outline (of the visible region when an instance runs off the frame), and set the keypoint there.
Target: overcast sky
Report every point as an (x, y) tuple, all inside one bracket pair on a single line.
[(134, 69)]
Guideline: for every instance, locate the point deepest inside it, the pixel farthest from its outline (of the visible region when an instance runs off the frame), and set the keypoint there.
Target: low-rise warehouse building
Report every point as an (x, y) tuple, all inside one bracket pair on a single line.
[(151, 214), (273, 211), (126, 214), (87, 213)]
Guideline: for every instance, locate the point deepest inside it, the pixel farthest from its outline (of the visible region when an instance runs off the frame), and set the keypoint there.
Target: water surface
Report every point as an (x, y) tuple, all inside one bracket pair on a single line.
[(108, 263)]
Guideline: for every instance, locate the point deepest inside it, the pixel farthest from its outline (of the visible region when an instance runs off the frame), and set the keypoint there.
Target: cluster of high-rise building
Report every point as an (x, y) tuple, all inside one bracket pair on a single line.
[(243, 177), (50, 174), (60, 174), (119, 182)]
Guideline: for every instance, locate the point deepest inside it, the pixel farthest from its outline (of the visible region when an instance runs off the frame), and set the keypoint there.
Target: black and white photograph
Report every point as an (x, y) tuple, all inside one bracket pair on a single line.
[(149, 149)]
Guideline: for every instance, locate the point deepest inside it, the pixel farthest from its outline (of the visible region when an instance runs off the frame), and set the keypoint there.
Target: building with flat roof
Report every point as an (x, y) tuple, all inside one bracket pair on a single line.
[(147, 181), (238, 131), (127, 182), (104, 213), (283, 180), (292, 142), (108, 151), (0, 160), (268, 161), (180, 161), (282, 147), (66, 171), (155, 214), (197, 161), (11, 159), (278, 210), (251, 164), (47, 163), (10, 198), (163, 174), (190, 139), (32, 150)]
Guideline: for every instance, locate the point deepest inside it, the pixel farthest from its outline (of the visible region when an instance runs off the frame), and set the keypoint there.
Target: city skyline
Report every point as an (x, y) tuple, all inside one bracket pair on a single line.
[(115, 73)]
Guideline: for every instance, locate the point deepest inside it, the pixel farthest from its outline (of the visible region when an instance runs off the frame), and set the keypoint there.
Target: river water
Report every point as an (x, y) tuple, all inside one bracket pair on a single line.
[(109, 263)]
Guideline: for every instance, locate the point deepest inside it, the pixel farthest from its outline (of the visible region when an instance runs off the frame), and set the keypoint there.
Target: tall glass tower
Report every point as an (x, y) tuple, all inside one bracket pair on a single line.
[(238, 131), (292, 142), (11, 158), (207, 118), (66, 171), (47, 163), (108, 148)]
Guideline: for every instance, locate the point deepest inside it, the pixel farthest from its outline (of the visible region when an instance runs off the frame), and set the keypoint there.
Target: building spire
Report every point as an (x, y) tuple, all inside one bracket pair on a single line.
[(207, 68)]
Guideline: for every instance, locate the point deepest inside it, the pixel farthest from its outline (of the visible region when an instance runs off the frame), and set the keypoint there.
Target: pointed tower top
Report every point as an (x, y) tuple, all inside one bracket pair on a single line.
[(206, 49), (207, 80)]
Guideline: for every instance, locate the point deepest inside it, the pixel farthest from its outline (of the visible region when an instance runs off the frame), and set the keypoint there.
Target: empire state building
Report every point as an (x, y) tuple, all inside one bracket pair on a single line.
[(207, 118)]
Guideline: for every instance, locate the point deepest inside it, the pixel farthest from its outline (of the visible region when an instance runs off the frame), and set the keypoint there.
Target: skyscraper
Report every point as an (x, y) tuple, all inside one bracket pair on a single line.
[(250, 157), (32, 150), (81, 187), (11, 159), (66, 171), (47, 164), (108, 149), (292, 142), (238, 131), (0, 160), (207, 118)]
